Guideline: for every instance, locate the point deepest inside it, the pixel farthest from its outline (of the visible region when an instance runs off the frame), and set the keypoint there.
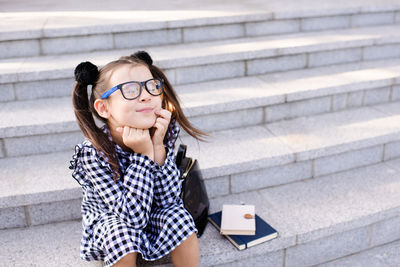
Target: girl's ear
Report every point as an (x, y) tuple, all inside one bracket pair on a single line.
[(101, 107)]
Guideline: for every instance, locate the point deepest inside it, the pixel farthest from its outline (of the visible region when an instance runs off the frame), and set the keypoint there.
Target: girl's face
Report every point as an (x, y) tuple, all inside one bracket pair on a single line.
[(122, 112)]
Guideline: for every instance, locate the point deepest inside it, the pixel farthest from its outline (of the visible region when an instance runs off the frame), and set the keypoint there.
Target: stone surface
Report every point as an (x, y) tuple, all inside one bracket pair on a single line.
[(345, 205), (12, 217), (76, 44), (39, 144), (55, 211), (209, 72), (348, 160), (355, 99), (219, 157), (376, 96), (328, 80), (274, 176), (387, 255), (327, 134), (44, 89), (336, 203), (329, 248), (38, 116), (389, 108), (395, 92), (272, 27), (334, 57), (395, 163), (217, 187), (213, 33), (372, 19), (229, 120), (58, 242), (268, 260), (227, 95), (318, 219), (325, 23), (297, 109), (339, 102), (218, 250), (147, 38), (382, 51), (37, 179), (19, 49), (392, 150), (6, 92), (216, 52), (385, 232), (284, 63), (23, 118)]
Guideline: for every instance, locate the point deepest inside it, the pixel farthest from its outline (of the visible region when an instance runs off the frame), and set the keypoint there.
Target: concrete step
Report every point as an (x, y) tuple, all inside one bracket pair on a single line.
[(234, 161), (33, 34), (48, 125), (318, 220), (44, 76), (385, 255)]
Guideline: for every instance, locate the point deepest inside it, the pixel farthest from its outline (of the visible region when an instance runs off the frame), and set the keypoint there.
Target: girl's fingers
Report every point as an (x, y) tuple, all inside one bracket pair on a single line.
[(126, 132), (163, 121), (159, 125), (159, 128), (164, 113)]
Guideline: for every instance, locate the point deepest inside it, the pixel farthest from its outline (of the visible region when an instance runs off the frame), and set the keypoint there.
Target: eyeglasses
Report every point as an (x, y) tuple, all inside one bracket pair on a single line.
[(132, 90)]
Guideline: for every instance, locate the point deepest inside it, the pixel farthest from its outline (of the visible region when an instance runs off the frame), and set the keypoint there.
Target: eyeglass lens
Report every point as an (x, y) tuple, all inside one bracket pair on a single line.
[(132, 90)]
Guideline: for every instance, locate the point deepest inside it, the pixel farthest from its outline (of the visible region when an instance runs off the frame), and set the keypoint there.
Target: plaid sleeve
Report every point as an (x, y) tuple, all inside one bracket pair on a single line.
[(131, 198), (167, 185)]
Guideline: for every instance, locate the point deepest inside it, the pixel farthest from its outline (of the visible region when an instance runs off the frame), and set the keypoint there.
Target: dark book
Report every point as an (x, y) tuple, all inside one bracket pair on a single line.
[(264, 232)]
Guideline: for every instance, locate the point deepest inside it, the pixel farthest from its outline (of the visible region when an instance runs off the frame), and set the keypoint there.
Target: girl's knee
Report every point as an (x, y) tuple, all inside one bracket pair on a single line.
[(191, 243), (192, 238), (127, 260), (187, 253)]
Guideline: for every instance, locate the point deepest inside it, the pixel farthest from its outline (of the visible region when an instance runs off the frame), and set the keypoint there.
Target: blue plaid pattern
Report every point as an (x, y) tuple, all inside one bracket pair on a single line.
[(142, 212)]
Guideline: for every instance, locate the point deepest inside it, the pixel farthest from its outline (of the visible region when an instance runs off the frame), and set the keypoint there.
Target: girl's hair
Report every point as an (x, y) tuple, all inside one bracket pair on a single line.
[(87, 73)]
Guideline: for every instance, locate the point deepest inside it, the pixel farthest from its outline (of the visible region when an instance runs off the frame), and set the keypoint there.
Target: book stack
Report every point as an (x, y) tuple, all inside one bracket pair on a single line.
[(242, 226)]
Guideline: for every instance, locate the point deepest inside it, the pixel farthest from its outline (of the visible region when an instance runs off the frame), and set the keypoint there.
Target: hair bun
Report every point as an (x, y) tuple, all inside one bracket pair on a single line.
[(143, 55), (86, 73)]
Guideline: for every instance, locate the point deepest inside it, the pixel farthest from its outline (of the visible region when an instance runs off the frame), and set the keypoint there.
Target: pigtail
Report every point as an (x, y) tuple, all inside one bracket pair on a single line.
[(171, 101), (87, 74)]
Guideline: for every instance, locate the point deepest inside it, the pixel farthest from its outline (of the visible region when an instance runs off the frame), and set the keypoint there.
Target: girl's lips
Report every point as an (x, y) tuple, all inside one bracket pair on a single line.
[(145, 110)]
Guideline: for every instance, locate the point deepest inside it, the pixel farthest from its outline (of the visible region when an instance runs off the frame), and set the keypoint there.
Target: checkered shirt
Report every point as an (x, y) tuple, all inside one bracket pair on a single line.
[(142, 212)]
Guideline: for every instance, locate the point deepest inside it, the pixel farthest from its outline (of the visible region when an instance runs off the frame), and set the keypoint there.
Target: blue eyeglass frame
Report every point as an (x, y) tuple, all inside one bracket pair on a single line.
[(119, 86)]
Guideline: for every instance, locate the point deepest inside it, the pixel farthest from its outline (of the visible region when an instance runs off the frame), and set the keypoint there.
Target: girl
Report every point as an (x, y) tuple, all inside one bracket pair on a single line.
[(126, 168)]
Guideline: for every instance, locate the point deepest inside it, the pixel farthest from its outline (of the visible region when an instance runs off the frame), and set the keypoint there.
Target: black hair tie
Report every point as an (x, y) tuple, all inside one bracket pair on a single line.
[(143, 55), (86, 73)]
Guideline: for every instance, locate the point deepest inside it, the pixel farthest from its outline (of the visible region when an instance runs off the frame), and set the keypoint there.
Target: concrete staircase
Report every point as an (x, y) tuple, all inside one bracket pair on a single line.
[(303, 106)]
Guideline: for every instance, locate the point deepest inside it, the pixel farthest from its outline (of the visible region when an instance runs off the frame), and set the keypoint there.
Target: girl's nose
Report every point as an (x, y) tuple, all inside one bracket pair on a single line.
[(144, 96)]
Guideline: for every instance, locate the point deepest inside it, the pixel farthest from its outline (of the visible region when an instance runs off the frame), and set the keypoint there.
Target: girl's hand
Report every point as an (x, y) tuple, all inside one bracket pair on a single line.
[(138, 140), (161, 126)]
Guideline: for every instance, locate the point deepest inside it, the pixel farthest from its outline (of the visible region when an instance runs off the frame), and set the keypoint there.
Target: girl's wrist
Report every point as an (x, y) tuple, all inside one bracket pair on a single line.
[(158, 146), (159, 154), (150, 156)]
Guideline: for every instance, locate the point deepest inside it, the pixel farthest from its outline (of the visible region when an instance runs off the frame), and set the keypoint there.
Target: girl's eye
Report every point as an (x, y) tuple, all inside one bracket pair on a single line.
[(131, 90), (154, 86)]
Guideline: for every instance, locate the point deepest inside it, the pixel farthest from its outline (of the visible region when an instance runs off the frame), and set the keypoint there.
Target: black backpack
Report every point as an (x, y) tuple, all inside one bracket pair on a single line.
[(194, 193)]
